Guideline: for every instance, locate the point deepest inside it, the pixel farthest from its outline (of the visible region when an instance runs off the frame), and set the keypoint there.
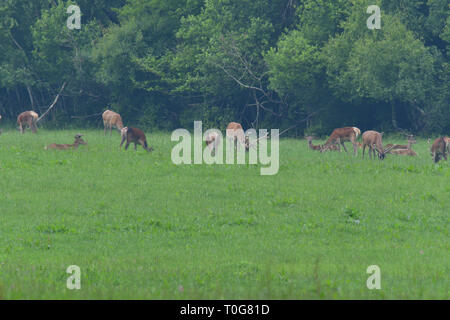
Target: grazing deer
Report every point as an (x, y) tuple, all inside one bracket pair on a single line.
[(78, 141), (112, 119), (213, 141), (136, 136), (311, 146), (374, 141), (339, 136), (236, 133), (439, 149), (27, 118)]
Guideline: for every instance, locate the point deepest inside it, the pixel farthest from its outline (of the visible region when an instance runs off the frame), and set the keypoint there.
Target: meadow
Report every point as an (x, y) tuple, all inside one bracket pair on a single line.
[(140, 227)]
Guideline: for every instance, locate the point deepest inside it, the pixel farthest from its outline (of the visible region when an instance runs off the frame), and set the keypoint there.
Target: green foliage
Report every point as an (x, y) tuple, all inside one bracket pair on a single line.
[(162, 64)]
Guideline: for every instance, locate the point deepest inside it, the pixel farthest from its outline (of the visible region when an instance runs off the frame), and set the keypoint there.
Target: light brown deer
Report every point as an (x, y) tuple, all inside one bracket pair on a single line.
[(311, 146), (235, 132), (136, 136), (112, 119), (402, 146), (402, 151), (374, 141), (78, 141), (340, 135), (27, 118), (439, 149)]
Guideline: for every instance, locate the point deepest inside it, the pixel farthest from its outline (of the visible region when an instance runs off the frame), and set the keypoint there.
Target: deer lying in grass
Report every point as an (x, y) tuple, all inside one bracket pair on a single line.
[(374, 141), (28, 118), (311, 146), (136, 136), (339, 136), (235, 132), (439, 149), (78, 141), (402, 146), (402, 151), (213, 141), (112, 119)]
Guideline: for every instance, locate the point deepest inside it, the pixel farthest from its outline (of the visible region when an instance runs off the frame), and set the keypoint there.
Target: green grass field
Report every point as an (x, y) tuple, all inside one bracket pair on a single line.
[(140, 227)]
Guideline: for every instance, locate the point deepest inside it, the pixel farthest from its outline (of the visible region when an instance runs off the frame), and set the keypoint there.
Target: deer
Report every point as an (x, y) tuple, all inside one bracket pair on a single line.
[(402, 146), (112, 119), (373, 140), (439, 149), (339, 136), (236, 133), (213, 141), (136, 136), (27, 118), (77, 142), (404, 151), (311, 146)]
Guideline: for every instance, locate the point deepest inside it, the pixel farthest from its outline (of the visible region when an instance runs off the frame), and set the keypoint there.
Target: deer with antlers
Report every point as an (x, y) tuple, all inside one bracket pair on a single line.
[(77, 142), (311, 146), (112, 119), (339, 136), (439, 149), (374, 141), (27, 118), (399, 150), (136, 136)]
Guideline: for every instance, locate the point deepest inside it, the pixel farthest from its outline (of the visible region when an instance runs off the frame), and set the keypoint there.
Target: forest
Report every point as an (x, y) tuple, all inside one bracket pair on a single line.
[(309, 65)]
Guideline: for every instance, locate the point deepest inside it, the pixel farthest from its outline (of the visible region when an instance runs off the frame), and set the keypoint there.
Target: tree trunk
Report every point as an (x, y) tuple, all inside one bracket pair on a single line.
[(394, 116)]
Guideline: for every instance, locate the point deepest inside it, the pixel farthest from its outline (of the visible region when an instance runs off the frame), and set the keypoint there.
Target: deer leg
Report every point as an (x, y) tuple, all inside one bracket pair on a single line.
[(342, 142), (121, 143), (364, 150), (104, 130), (126, 145), (135, 146)]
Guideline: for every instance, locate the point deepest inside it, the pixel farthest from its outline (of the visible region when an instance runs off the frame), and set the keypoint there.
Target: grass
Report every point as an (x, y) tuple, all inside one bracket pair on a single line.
[(140, 227)]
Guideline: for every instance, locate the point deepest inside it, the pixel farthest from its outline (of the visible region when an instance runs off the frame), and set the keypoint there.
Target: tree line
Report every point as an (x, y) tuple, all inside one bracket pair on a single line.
[(309, 65)]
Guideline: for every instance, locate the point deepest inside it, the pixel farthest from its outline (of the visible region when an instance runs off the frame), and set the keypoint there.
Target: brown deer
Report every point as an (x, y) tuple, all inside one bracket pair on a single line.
[(340, 135), (136, 136), (28, 118), (78, 141), (402, 146), (311, 146), (374, 141), (439, 149), (402, 151), (213, 141), (236, 133), (112, 119)]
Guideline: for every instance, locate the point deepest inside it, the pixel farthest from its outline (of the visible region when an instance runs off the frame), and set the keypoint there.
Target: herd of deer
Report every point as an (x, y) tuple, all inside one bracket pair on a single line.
[(373, 140), (370, 139)]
